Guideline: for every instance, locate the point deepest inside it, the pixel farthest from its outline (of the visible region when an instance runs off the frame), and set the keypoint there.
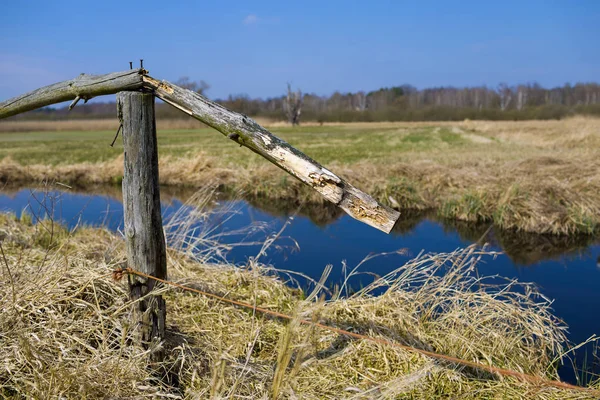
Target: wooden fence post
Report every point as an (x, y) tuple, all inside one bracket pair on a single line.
[(146, 250)]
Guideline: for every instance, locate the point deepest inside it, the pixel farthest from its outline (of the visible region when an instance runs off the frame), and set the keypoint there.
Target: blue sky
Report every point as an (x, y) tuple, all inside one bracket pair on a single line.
[(320, 46)]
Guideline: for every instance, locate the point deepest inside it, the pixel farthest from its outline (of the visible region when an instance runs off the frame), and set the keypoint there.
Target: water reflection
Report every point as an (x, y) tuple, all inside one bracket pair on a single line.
[(521, 247), (524, 249)]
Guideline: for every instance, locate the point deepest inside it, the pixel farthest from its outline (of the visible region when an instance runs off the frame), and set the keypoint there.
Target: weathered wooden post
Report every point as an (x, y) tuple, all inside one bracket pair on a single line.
[(146, 251)]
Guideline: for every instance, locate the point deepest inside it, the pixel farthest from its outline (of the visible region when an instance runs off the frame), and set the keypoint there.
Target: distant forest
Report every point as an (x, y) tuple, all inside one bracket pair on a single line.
[(398, 103)]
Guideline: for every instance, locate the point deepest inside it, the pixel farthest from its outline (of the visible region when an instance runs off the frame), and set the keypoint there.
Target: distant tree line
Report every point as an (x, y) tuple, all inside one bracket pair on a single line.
[(406, 103), (398, 103)]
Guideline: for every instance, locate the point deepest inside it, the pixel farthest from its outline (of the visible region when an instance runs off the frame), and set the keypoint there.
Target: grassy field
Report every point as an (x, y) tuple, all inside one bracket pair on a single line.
[(66, 329), (534, 176)]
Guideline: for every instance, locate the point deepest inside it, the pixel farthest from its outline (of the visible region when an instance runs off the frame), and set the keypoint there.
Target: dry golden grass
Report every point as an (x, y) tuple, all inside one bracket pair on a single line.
[(59, 126), (66, 329), (190, 123), (83, 125)]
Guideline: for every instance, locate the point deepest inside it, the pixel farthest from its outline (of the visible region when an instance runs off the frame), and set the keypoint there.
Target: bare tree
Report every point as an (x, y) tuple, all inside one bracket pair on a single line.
[(359, 101), (292, 105), (505, 95), (522, 97), (198, 87)]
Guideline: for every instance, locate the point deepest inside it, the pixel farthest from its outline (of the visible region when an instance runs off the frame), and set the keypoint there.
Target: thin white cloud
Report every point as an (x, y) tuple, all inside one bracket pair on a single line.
[(250, 19)]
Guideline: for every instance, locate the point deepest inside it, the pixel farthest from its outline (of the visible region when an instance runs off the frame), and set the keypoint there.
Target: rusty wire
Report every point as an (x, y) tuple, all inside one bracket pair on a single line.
[(118, 274)]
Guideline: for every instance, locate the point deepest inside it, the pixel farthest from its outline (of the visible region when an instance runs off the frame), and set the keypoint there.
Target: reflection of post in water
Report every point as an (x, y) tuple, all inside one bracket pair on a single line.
[(598, 262)]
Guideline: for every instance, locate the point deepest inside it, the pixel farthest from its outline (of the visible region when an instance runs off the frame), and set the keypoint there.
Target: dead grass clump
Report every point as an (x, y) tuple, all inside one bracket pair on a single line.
[(64, 326), (65, 329), (435, 303), (565, 133), (82, 174)]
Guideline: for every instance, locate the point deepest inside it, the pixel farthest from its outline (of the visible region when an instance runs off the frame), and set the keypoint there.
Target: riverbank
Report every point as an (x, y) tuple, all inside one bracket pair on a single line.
[(65, 328), (532, 176)]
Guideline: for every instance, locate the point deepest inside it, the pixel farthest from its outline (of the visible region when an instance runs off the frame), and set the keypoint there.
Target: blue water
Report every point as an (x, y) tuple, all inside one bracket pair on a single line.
[(566, 271)]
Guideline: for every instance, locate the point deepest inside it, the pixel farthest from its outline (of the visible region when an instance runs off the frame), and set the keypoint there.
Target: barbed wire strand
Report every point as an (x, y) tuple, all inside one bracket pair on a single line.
[(501, 371)]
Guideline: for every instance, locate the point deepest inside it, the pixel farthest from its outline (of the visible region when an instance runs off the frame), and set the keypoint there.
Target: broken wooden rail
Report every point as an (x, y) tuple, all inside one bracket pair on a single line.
[(237, 127)]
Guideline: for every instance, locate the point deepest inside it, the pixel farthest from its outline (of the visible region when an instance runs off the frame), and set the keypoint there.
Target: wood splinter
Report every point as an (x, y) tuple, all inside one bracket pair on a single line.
[(74, 103)]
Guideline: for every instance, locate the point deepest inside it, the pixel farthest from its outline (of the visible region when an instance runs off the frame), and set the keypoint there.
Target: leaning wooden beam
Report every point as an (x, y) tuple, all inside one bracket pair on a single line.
[(237, 127), (246, 132), (83, 87)]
